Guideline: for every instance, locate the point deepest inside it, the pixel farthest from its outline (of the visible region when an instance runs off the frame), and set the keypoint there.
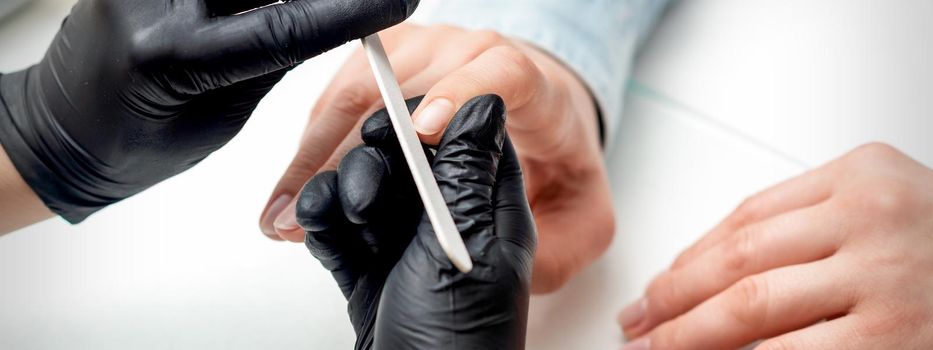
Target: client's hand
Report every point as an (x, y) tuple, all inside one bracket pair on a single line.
[(366, 224), (838, 258), (553, 124)]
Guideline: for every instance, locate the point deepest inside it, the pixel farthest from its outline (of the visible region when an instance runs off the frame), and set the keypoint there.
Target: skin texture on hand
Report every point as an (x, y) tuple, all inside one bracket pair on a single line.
[(366, 224), (552, 123), (838, 258), (92, 124)]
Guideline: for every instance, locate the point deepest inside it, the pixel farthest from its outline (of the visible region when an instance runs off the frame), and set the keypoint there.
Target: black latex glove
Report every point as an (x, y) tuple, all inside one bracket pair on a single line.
[(132, 92), (366, 224)]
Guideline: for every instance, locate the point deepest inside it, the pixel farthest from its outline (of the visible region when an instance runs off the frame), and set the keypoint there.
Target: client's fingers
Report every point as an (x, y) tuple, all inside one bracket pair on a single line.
[(794, 238), (331, 120), (284, 224), (502, 70), (759, 307), (350, 95), (840, 334), (377, 130), (802, 191)]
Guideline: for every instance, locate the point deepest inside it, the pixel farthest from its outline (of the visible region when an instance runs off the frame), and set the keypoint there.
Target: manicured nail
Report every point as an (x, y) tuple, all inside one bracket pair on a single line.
[(638, 344), (268, 222), (434, 117), (287, 220), (633, 314)]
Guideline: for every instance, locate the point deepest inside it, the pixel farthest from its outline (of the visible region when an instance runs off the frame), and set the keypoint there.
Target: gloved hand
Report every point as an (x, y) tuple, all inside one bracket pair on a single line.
[(132, 92), (365, 223)]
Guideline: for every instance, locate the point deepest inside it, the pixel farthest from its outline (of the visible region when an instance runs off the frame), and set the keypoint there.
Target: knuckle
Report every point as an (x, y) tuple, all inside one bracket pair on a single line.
[(663, 294), (519, 69), (351, 101), (747, 212), (669, 336), (890, 318), (748, 302), (886, 199), (868, 158), (739, 254), (283, 43), (486, 38), (681, 260), (514, 60), (472, 44), (144, 50), (874, 151), (306, 162)]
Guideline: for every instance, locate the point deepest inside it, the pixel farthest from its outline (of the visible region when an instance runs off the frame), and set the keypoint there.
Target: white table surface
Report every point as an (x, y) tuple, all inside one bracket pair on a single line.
[(729, 97)]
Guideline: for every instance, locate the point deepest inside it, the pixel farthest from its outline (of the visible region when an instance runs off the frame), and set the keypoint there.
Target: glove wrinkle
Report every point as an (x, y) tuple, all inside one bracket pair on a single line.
[(92, 124), (408, 295)]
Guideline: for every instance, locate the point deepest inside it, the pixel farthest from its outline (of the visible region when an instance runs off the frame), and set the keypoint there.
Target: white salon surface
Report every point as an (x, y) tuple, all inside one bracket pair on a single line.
[(728, 98)]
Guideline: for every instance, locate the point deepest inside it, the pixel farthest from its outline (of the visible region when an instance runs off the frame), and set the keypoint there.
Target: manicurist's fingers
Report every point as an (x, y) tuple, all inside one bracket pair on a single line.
[(510, 204), (280, 36), (797, 237), (331, 120), (335, 119), (232, 7), (465, 168), (320, 213), (363, 174), (759, 307)]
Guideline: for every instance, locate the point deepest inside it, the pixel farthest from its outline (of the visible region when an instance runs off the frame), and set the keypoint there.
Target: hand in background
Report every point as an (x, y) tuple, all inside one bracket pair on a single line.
[(367, 226), (132, 92), (552, 122), (838, 258)]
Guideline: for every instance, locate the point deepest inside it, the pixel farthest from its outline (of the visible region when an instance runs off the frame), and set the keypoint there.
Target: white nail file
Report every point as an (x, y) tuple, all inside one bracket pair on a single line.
[(434, 203)]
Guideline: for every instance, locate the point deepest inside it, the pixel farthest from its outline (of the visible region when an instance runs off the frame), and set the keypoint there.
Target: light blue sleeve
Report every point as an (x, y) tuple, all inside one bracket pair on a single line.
[(597, 39)]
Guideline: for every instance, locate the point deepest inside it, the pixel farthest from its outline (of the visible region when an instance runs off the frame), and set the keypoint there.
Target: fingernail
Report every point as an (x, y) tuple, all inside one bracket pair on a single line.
[(633, 314), (268, 222), (287, 220), (434, 117), (639, 344)]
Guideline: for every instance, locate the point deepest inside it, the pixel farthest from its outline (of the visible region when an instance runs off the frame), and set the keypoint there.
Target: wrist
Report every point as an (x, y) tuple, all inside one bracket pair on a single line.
[(19, 205), (42, 159)]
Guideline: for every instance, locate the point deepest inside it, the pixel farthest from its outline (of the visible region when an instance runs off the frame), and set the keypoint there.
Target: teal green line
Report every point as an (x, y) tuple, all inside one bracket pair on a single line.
[(639, 88)]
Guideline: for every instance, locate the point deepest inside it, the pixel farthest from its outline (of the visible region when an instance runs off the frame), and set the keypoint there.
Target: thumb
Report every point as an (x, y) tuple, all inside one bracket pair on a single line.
[(467, 160), (512, 214)]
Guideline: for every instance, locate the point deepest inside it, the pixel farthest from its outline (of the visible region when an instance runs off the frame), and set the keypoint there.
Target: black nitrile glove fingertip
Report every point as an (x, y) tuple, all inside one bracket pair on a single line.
[(362, 173), (318, 203), (377, 130), (479, 124), (411, 6)]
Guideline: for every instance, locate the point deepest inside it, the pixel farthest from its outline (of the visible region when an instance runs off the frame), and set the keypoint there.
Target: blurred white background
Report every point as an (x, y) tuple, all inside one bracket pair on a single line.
[(728, 98)]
